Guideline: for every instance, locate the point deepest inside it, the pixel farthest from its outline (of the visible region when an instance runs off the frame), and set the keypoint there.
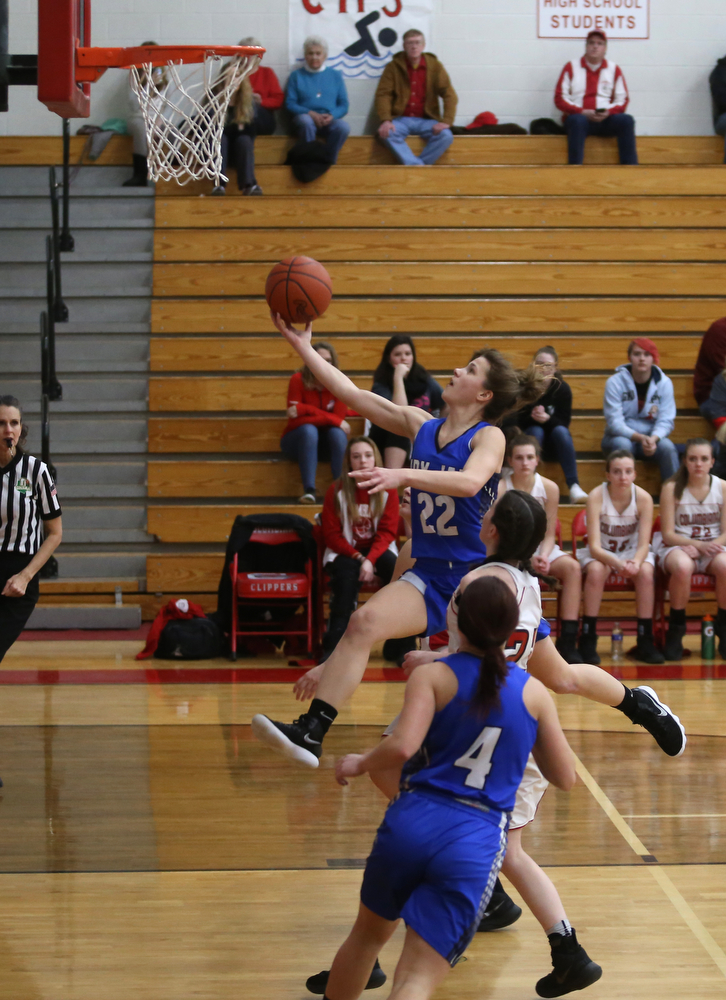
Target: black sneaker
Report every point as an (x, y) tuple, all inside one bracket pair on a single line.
[(301, 740), (573, 969), (318, 984), (588, 650), (566, 646), (501, 912), (646, 651), (661, 723), (673, 649)]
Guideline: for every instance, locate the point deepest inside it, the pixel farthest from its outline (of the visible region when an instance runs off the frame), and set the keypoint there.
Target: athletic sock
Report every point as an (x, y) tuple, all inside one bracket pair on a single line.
[(720, 622), (628, 706), (589, 625), (562, 927), (323, 713), (677, 618), (645, 627), (569, 627)]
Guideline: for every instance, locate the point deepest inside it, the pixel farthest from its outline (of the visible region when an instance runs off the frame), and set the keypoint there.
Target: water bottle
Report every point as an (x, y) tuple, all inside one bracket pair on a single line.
[(708, 639), (616, 643)]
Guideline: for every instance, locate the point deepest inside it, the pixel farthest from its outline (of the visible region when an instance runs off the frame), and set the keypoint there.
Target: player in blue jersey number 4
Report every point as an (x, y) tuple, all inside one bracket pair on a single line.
[(468, 725), (454, 477)]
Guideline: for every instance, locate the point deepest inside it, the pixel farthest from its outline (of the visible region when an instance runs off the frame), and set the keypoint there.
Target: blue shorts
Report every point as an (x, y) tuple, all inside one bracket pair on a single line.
[(436, 580), (434, 862)]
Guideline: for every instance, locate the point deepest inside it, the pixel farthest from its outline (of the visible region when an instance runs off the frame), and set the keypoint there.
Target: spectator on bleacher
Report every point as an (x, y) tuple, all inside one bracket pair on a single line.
[(640, 409), (359, 531), (717, 81), (316, 425), (691, 540), (522, 457), (251, 112), (136, 126), (548, 420), (619, 523), (317, 98), (710, 362), (592, 95), (407, 102), (400, 378)]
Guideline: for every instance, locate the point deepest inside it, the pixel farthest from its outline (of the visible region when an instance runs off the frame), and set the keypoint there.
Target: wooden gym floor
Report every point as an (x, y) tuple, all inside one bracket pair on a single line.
[(149, 848)]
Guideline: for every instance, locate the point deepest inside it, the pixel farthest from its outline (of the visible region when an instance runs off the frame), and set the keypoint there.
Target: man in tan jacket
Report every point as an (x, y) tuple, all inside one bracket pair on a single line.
[(407, 102)]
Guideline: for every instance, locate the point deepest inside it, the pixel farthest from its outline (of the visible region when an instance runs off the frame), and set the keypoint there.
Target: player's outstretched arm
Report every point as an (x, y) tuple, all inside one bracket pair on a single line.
[(403, 420), (486, 458), (551, 750)]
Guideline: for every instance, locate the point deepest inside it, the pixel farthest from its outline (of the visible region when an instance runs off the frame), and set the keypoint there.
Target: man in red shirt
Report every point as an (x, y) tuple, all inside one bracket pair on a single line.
[(407, 102), (592, 96)]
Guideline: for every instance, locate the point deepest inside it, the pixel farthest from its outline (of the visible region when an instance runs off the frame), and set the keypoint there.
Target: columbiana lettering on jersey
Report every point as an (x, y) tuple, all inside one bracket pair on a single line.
[(27, 498)]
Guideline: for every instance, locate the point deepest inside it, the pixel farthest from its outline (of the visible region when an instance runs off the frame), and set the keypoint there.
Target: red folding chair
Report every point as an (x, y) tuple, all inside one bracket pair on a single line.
[(554, 595), (701, 583), (283, 591)]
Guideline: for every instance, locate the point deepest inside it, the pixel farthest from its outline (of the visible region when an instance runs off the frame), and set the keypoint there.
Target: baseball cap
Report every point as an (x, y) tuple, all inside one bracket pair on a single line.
[(598, 32)]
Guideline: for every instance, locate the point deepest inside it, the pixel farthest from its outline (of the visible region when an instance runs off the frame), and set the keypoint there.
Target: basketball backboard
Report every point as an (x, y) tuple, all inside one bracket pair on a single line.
[(63, 26), (3, 55)]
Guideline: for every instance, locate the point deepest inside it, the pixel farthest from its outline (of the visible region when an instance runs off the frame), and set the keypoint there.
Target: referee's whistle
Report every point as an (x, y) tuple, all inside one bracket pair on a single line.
[(9, 443)]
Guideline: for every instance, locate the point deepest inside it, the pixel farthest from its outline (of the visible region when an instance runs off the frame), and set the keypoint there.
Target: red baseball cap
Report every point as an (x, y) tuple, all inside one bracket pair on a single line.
[(598, 32)]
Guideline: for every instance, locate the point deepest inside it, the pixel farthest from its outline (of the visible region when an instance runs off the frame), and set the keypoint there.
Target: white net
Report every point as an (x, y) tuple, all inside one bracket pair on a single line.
[(184, 111)]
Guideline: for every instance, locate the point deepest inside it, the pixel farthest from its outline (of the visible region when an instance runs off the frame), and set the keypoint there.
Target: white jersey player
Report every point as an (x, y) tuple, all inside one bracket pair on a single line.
[(523, 453), (692, 540), (619, 524)]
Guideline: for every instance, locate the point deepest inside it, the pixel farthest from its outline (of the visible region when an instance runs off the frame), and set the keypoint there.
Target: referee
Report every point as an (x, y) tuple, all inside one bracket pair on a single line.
[(30, 524)]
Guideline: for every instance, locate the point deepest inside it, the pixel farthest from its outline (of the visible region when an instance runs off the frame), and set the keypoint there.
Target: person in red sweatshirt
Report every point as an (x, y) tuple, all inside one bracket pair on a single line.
[(316, 424), (251, 113), (592, 95), (359, 530)]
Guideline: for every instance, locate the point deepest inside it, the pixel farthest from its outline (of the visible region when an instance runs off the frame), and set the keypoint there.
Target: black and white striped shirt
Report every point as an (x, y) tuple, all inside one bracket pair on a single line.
[(27, 498)]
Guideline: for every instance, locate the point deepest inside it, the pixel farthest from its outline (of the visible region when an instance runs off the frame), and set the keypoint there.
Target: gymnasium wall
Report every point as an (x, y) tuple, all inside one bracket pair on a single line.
[(490, 46)]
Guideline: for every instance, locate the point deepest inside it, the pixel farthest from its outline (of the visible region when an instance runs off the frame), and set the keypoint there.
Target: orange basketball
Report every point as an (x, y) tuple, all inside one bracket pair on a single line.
[(299, 289)]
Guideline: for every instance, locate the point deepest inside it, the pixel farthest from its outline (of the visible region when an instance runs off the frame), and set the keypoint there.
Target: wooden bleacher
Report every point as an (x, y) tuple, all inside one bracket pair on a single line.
[(501, 243), (498, 244)]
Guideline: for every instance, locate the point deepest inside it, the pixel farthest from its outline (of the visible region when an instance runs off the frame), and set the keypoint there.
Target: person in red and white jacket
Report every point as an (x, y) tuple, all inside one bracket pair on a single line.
[(316, 424), (593, 96), (359, 530)]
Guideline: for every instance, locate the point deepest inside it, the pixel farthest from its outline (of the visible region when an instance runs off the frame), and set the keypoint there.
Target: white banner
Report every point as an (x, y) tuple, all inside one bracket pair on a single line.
[(574, 18), (362, 35)]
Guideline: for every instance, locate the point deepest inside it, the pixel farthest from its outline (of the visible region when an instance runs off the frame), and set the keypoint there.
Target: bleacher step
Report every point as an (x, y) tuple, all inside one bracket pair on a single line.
[(85, 616)]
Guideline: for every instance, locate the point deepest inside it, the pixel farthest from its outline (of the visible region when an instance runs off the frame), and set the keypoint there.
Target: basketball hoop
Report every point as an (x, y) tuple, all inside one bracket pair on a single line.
[(183, 113)]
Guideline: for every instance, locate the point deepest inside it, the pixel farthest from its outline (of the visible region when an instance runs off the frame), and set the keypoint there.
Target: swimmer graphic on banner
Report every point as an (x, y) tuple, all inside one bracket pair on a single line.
[(362, 36)]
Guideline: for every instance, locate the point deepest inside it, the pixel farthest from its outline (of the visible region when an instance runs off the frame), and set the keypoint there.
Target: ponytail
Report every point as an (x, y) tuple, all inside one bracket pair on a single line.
[(522, 524), (512, 388), (488, 614)]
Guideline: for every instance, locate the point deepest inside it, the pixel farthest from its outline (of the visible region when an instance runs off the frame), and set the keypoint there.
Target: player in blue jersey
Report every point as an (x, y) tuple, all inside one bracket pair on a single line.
[(454, 475), (464, 736)]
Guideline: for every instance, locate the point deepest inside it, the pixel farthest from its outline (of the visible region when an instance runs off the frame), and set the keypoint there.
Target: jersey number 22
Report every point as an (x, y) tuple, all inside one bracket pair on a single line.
[(478, 758), (442, 521)]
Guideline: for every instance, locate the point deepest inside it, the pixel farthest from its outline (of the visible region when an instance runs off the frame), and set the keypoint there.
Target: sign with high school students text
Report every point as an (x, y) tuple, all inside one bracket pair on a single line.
[(362, 35), (575, 18)]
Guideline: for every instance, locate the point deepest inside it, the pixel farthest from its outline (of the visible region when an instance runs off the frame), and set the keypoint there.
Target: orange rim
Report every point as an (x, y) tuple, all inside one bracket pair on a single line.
[(89, 60)]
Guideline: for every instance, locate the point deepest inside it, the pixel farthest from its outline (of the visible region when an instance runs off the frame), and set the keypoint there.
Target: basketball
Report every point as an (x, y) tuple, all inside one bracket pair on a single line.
[(299, 289)]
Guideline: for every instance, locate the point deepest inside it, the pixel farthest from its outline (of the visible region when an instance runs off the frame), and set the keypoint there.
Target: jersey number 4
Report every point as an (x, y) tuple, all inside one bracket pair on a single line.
[(442, 521), (478, 758)]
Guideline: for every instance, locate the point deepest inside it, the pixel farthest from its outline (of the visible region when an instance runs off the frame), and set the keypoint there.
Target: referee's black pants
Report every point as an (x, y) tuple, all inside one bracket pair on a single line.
[(15, 611)]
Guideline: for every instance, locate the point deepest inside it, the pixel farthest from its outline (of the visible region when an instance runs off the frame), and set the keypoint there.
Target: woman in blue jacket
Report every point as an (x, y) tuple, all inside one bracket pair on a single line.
[(640, 409), (317, 98)]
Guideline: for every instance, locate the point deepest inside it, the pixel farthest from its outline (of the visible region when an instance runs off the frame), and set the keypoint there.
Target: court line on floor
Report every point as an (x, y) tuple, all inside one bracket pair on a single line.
[(672, 815), (703, 936)]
